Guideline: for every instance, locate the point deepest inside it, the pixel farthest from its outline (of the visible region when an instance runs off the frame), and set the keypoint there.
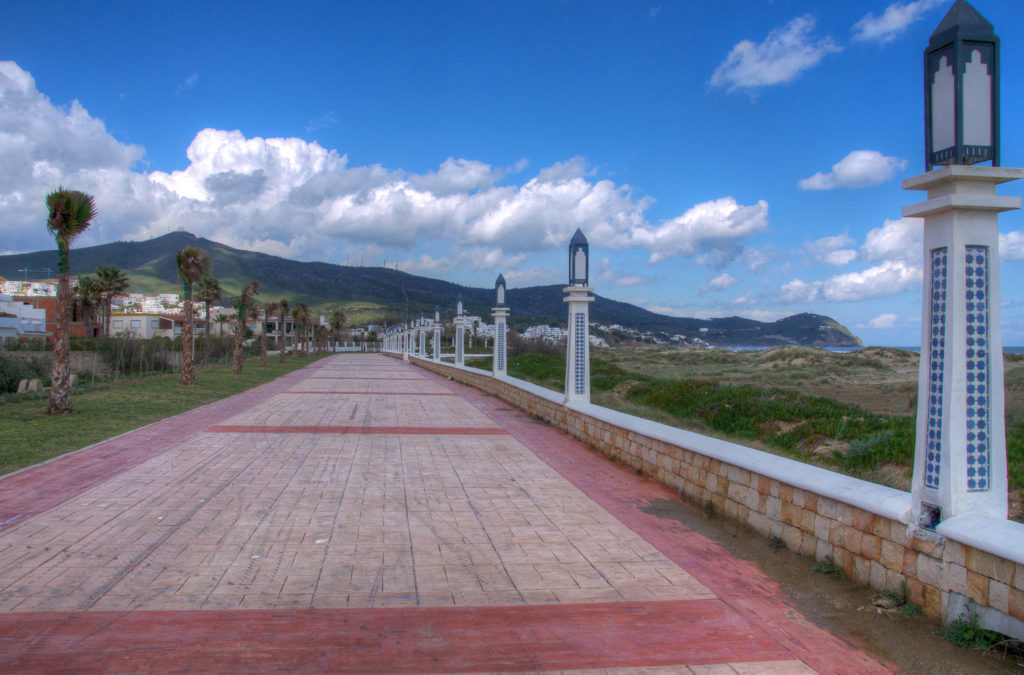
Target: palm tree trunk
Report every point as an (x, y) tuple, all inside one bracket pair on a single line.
[(282, 343), (188, 375), (236, 360), (263, 346), (60, 375)]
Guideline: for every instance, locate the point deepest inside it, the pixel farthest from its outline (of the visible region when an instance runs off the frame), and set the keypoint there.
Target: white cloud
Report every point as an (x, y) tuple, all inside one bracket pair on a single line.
[(831, 250), (784, 54), (667, 311), (296, 198), (798, 290), (895, 240), (720, 283), (883, 321), (860, 168), (1011, 246), (893, 21), (715, 228), (889, 278)]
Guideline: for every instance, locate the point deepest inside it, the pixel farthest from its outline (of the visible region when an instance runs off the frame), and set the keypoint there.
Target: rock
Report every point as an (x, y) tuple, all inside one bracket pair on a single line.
[(22, 386), (35, 385)]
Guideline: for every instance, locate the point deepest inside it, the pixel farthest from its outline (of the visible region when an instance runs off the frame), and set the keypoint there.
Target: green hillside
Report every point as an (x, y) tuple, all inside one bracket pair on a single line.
[(372, 293)]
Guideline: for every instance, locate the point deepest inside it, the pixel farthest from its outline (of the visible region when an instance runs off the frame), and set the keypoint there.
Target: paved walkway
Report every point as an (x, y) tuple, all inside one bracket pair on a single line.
[(365, 515)]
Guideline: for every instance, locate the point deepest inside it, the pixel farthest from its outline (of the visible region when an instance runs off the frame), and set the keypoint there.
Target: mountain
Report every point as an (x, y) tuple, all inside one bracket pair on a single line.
[(368, 293)]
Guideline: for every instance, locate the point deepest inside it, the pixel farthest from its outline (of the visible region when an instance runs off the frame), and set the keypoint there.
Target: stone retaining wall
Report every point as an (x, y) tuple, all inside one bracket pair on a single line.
[(971, 562)]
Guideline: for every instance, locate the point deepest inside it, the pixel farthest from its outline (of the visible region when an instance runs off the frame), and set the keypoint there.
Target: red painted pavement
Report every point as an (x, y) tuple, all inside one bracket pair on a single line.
[(458, 639), (433, 431)]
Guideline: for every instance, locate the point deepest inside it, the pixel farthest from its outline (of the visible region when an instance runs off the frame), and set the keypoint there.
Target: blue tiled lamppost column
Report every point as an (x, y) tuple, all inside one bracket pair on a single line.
[(421, 329), (460, 334), (577, 350), (437, 334), (500, 314), (960, 451)]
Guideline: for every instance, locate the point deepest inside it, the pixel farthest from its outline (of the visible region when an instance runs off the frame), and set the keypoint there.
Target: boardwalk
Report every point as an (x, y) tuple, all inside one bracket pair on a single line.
[(365, 515)]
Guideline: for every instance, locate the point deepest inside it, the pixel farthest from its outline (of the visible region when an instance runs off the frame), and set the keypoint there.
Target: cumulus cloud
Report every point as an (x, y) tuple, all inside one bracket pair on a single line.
[(296, 198), (860, 168), (895, 240), (799, 290), (883, 321), (889, 278), (713, 229), (831, 250), (1011, 246), (720, 283), (893, 21), (784, 54)]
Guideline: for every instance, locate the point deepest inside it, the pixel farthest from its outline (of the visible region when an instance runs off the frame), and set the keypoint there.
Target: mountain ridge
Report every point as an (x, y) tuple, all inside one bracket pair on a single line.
[(368, 292)]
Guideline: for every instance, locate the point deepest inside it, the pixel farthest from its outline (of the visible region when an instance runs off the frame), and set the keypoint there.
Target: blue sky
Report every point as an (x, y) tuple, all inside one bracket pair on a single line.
[(737, 157)]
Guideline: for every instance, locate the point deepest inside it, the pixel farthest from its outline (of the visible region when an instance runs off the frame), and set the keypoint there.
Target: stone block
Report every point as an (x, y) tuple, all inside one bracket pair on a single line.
[(958, 578), (898, 533), (790, 514), (999, 596), (822, 549), (877, 576), (871, 547), (35, 385), (738, 492), (891, 556), (926, 546), (1017, 604), (822, 528), (851, 540), (861, 569), (977, 587), (990, 565), (827, 507), (755, 500), (909, 563), (811, 501), (844, 513), (916, 589), (1018, 577), (930, 571), (863, 520), (954, 552), (807, 518), (759, 523), (773, 508), (795, 495), (809, 545), (764, 485), (933, 602), (882, 527), (837, 534), (22, 386), (793, 536), (894, 581)]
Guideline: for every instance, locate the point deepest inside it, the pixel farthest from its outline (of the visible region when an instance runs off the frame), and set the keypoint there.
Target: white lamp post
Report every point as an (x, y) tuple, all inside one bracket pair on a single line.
[(577, 350), (960, 451), (460, 334), (500, 314), (437, 334)]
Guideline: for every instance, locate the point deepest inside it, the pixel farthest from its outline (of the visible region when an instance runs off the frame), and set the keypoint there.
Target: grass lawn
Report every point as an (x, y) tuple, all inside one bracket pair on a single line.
[(30, 436)]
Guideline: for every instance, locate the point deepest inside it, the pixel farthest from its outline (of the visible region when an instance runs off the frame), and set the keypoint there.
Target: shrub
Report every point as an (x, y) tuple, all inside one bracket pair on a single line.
[(14, 368)]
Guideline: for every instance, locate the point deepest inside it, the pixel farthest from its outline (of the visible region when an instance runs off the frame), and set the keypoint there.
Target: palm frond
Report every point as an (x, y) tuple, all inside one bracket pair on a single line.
[(71, 213), (193, 264)]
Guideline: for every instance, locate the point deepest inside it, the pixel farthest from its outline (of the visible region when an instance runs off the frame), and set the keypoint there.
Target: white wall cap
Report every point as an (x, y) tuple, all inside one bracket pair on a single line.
[(952, 202), (991, 174), (993, 535)]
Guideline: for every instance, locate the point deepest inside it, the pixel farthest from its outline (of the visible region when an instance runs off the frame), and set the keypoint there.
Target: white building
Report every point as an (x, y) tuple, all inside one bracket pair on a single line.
[(20, 320)]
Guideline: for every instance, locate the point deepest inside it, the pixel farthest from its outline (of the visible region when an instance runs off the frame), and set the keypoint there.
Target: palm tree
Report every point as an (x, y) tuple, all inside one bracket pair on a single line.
[(87, 297), (283, 309), (338, 320), (111, 281), (71, 213), (246, 306), (193, 265), (221, 320), (301, 317), (268, 309), (208, 290)]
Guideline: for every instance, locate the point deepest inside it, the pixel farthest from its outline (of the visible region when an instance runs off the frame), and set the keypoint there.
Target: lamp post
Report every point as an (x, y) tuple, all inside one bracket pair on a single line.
[(437, 334), (421, 331), (577, 348), (500, 314), (960, 449), (460, 334)]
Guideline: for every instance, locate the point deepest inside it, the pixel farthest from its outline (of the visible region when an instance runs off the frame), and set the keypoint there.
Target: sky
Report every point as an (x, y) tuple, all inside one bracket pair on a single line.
[(725, 158)]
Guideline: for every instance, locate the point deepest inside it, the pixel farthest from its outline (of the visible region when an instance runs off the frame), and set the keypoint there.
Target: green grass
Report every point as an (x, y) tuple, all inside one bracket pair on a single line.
[(31, 436)]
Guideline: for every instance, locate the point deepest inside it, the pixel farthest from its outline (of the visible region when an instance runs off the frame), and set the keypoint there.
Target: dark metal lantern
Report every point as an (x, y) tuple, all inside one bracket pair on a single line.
[(499, 289), (961, 90), (579, 260)]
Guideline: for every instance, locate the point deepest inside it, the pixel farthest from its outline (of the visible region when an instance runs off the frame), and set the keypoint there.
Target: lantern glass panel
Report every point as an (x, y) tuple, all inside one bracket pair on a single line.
[(978, 96), (943, 101)]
